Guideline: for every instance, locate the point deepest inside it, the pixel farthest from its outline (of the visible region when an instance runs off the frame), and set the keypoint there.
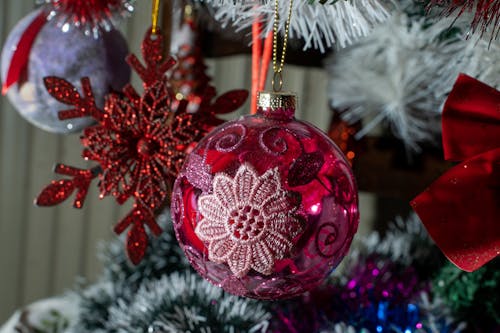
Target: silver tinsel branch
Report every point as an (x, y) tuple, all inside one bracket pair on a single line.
[(319, 25), (184, 302), (181, 301), (401, 74), (405, 241)]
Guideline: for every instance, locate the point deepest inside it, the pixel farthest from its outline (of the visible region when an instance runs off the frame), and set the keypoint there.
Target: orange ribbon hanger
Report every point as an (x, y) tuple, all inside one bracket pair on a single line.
[(260, 61)]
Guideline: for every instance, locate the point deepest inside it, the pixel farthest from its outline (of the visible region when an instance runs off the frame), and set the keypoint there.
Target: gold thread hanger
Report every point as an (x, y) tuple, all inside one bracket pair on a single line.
[(154, 16), (277, 69)]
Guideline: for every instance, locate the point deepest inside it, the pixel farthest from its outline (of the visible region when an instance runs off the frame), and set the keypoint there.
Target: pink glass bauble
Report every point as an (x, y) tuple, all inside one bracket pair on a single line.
[(71, 55), (266, 206)]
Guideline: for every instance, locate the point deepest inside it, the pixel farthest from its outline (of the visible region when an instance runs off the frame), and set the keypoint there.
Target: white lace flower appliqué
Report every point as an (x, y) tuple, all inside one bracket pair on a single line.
[(249, 222)]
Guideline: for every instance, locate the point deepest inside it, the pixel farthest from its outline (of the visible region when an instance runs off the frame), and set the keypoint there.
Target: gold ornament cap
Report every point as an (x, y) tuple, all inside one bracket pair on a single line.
[(277, 100)]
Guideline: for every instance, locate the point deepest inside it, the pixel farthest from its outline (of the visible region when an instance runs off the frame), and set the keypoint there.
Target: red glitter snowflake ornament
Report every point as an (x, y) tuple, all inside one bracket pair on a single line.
[(140, 143)]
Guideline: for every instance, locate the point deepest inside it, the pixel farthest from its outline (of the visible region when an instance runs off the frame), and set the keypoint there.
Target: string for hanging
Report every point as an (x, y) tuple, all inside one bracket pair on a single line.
[(154, 16), (277, 82)]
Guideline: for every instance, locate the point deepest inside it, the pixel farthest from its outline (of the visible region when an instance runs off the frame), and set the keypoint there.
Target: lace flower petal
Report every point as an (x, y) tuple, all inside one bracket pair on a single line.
[(223, 190), (266, 186), (240, 260), (244, 182), (220, 249), (212, 209)]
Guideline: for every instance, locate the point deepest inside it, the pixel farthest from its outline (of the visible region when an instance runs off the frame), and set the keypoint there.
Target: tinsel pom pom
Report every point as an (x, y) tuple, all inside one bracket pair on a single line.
[(400, 75), (92, 16)]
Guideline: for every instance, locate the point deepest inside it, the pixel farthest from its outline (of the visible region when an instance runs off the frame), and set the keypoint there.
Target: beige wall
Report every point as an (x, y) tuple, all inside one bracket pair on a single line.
[(42, 250)]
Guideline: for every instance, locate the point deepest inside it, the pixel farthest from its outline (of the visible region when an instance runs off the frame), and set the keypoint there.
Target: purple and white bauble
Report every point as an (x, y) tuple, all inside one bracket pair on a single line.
[(69, 54)]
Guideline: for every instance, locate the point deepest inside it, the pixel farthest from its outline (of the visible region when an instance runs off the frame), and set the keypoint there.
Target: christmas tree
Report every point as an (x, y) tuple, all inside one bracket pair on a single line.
[(391, 70)]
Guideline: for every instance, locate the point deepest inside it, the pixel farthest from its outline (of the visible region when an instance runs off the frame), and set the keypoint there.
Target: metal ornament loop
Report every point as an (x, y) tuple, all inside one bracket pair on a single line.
[(154, 17), (279, 76)]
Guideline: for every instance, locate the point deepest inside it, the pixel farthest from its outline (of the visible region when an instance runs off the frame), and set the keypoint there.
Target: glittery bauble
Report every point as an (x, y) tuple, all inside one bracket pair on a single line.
[(266, 206), (71, 55)]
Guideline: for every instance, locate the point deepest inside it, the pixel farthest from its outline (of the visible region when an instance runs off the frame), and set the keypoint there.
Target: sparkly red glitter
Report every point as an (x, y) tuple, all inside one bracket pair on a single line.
[(88, 14), (58, 191), (486, 13), (66, 93), (140, 145), (139, 142), (156, 64), (137, 238)]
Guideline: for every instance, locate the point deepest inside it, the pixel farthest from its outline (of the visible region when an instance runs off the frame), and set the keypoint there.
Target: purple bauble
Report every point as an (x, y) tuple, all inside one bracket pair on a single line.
[(70, 55), (265, 206)]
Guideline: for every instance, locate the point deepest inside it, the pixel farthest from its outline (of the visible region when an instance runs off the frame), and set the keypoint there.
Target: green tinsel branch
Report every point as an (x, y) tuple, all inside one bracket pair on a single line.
[(475, 295)]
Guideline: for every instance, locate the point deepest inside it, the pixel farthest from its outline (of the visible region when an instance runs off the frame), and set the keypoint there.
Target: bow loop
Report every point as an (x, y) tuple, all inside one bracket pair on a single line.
[(471, 119), (461, 210)]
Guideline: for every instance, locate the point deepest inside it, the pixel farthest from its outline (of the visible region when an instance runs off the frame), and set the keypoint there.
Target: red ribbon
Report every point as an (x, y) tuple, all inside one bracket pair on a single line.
[(461, 210), (18, 66), (260, 61)]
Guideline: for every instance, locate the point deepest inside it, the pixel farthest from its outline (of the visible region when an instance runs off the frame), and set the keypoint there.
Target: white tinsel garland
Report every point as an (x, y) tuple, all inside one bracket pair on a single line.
[(405, 241), (321, 26), (402, 73), (481, 60), (184, 302), (57, 314)]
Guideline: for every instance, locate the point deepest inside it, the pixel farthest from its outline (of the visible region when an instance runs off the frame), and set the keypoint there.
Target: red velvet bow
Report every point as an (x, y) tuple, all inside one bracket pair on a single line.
[(461, 210)]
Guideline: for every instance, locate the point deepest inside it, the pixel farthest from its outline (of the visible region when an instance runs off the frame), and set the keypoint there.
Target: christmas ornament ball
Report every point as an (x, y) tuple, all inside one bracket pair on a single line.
[(66, 53), (265, 206)]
